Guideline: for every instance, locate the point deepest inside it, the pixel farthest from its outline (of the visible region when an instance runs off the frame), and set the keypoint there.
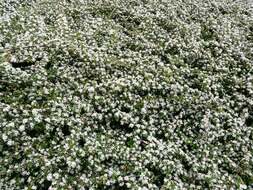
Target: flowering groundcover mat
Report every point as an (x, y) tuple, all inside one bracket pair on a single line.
[(120, 94)]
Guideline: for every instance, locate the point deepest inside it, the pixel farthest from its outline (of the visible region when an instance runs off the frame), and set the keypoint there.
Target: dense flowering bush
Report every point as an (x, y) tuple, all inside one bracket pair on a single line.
[(136, 94)]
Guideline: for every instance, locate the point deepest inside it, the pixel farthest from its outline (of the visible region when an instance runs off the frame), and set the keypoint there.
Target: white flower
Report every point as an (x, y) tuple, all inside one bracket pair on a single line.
[(143, 110), (120, 178), (126, 178), (72, 164), (34, 112), (12, 124), (56, 175), (10, 142), (25, 121), (13, 59), (91, 90), (21, 128), (243, 186), (110, 172), (46, 90), (128, 185), (49, 177), (4, 137)]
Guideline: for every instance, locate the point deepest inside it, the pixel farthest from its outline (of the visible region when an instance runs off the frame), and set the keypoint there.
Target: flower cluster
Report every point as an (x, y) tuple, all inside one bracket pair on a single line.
[(120, 94)]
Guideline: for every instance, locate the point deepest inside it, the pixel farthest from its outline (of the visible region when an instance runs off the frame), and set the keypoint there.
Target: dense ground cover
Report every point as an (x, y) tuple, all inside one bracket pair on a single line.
[(126, 94)]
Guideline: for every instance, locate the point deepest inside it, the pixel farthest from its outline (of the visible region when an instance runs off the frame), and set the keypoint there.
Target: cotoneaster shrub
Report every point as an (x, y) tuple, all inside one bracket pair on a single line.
[(126, 94)]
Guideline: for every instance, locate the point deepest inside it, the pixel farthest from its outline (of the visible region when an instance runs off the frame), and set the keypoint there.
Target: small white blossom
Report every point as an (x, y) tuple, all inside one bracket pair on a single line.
[(21, 128), (4, 137), (49, 177)]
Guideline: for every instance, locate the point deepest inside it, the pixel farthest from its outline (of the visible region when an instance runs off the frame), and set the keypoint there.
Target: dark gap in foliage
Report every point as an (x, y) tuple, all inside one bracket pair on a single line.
[(45, 185), (97, 109), (158, 175), (221, 93), (15, 174), (84, 164), (36, 130), (201, 181), (195, 82), (99, 129), (48, 65), (176, 112), (63, 165), (4, 147), (227, 85), (41, 100), (8, 116), (134, 47), (207, 33), (52, 135), (225, 166), (15, 87), (196, 85), (226, 126), (184, 178), (243, 91), (25, 84), (172, 50), (223, 10), (160, 135), (249, 120), (129, 142), (82, 111), (164, 58), (108, 161), (206, 183), (75, 15), (196, 129), (35, 171), (160, 92), (142, 93), (18, 158), (247, 179), (66, 130), (114, 124), (229, 137), (104, 10), (4, 88), (203, 170), (191, 146), (166, 25), (49, 18), (48, 21), (125, 109), (251, 28), (195, 63), (251, 136), (127, 20), (246, 12), (81, 142), (25, 99), (221, 139), (53, 79), (185, 163), (24, 64), (143, 144)]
